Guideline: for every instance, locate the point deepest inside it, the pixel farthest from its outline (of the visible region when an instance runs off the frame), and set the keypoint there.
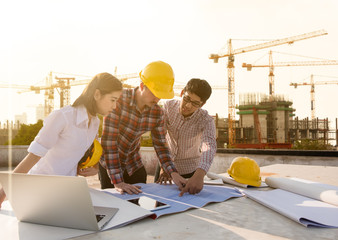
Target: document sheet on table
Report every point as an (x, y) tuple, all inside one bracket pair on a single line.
[(308, 203), (169, 194)]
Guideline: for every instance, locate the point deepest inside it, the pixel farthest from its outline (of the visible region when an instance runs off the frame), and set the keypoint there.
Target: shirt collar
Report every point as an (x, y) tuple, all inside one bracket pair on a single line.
[(133, 97), (81, 115)]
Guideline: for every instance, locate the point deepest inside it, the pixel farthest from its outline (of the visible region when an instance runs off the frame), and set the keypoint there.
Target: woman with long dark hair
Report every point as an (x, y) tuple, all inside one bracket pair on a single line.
[(69, 132)]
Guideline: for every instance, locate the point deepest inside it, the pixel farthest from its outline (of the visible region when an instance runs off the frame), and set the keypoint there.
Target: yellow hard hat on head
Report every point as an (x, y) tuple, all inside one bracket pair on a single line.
[(246, 171), (159, 78)]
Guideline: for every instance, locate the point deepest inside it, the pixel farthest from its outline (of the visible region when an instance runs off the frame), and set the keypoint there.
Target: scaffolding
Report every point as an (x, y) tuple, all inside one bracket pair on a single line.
[(315, 129), (266, 122)]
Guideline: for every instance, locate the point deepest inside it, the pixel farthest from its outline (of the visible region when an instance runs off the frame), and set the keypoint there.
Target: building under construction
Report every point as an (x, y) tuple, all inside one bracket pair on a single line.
[(270, 122)]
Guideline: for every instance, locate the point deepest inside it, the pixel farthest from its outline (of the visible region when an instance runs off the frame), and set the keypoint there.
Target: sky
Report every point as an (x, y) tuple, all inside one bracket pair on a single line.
[(83, 38)]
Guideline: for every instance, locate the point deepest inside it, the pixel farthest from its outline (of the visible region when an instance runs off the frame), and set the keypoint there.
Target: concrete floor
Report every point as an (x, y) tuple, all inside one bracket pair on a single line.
[(238, 219)]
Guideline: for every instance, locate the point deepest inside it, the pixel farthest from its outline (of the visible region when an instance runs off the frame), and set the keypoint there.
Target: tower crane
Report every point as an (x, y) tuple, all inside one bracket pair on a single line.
[(272, 65), (231, 58), (312, 91), (16, 86), (63, 86)]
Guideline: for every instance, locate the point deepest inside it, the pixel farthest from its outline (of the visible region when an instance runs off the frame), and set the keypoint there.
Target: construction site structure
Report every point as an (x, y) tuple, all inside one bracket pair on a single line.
[(272, 66), (312, 83), (8, 130), (264, 123), (230, 66), (314, 129)]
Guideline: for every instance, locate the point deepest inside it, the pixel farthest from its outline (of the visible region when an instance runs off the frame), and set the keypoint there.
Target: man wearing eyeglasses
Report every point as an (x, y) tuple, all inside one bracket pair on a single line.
[(191, 135)]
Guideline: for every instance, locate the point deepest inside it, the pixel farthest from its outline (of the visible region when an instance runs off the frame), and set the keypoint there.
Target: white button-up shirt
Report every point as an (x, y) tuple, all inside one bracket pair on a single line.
[(63, 140), (191, 140)]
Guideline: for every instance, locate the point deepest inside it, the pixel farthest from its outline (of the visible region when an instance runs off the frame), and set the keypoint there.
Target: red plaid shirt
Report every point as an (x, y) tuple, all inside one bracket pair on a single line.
[(122, 130)]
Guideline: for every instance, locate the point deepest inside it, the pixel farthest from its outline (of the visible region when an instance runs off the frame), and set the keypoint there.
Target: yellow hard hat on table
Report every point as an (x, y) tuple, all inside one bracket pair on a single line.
[(159, 78), (246, 171)]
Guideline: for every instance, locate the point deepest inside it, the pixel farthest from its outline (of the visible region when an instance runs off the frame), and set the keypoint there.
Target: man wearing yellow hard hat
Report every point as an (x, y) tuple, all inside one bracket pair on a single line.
[(137, 112)]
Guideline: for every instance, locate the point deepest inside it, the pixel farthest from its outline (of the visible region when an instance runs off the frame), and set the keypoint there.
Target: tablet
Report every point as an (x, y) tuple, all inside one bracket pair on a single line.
[(149, 203)]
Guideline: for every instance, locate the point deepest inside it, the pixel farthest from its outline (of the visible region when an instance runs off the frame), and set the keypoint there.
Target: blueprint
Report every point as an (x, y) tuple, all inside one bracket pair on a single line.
[(304, 210), (319, 191), (229, 180), (169, 194)]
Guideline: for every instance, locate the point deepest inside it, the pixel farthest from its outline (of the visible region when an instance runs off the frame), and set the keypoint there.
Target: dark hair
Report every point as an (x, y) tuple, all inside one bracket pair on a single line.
[(199, 87), (105, 83)]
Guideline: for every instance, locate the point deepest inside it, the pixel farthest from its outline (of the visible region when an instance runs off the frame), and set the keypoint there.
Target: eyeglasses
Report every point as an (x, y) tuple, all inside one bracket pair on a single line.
[(187, 99)]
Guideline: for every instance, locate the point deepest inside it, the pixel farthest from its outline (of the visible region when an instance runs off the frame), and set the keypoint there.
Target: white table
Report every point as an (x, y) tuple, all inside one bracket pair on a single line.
[(239, 218)]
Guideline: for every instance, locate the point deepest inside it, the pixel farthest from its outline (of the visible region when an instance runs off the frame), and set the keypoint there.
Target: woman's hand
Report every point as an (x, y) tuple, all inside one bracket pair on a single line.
[(90, 171), (86, 172)]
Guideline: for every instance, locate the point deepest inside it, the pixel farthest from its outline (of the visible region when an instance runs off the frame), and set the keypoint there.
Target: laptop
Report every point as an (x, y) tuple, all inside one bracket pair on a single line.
[(62, 201)]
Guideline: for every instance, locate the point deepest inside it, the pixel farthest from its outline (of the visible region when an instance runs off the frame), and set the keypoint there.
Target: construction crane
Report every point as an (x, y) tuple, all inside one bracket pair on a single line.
[(272, 65), (312, 91), (15, 86), (214, 87), (63, 86), (231, 58)]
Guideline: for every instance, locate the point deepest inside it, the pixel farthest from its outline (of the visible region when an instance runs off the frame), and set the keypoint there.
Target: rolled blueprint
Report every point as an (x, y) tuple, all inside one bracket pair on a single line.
[(229, 180), (322, 192)]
